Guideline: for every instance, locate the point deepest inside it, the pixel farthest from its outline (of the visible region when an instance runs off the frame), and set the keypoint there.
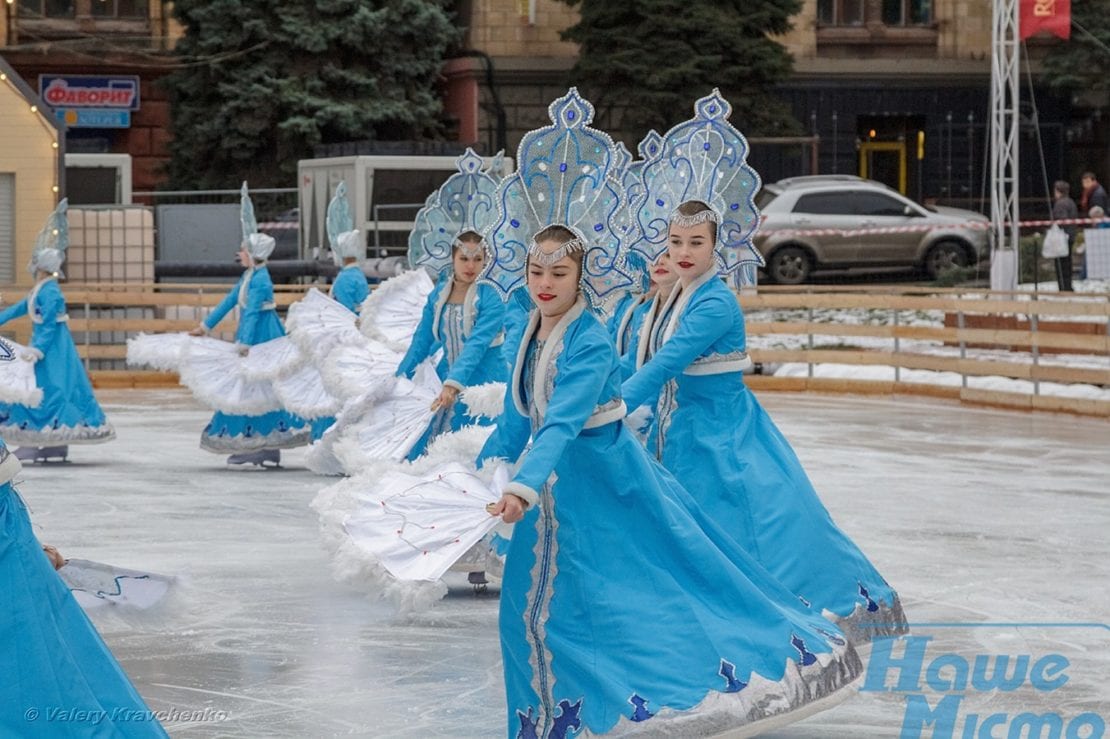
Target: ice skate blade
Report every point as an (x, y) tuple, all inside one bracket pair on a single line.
[(42, 454)]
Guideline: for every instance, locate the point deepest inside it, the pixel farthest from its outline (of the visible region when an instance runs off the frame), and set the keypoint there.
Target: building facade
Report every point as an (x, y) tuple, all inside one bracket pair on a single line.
[(894, 90), (31, 174), (96, 64)]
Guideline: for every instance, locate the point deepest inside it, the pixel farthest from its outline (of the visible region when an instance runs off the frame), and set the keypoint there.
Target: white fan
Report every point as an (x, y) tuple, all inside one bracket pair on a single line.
[(213, 370), (303, 393), (17, 376), (351, 370), (96, 585), (318, 323), (158, 351), (392, 311), (417, 527), (272, 359), (389, 426)]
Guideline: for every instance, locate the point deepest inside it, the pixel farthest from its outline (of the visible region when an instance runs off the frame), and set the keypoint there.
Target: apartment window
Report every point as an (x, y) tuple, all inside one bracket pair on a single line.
[(119, 8), (46, 8), (840, 12), (907, 12)]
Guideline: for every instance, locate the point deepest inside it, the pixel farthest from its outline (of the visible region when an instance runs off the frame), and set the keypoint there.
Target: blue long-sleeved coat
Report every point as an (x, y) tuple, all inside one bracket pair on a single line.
[(68, 413)]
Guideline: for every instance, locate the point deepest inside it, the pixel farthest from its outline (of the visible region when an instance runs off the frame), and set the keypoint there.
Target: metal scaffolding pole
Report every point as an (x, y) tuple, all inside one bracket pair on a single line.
[(1005, 99)]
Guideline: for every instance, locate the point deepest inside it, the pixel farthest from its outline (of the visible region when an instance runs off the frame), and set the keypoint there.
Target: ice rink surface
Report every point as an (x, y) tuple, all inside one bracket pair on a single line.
[(992, 518)]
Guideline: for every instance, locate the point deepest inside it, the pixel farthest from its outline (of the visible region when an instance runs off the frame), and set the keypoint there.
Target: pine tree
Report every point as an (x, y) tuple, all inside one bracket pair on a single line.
[(644, 62), (263, 82), (1079, 65)]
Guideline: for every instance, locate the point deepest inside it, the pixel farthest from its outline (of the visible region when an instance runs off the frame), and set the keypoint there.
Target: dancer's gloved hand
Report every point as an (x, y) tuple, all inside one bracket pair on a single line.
[(446, 399), (30, 356), (56, 559), (510, 508)]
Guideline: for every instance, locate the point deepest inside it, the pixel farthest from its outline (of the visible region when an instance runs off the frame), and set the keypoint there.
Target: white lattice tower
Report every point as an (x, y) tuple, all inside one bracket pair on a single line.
[(1005, 123)]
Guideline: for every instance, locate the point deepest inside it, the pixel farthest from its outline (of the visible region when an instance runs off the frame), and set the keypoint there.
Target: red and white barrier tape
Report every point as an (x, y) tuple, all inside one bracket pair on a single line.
[(970, 225)]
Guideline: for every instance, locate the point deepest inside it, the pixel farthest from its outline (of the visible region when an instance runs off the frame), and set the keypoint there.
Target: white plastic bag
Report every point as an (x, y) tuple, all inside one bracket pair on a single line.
[(1055, 243)]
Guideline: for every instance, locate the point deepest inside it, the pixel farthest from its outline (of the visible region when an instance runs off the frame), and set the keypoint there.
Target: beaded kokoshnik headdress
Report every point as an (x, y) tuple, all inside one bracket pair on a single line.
[(344, 238), (465, 203), (635, 193), (49, 251), (703, 159), (567, 175), (259, 245)]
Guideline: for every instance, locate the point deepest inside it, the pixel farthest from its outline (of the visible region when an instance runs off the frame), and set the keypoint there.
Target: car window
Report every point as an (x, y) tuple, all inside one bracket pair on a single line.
[(764, 198), (878, 204), (837, 202)]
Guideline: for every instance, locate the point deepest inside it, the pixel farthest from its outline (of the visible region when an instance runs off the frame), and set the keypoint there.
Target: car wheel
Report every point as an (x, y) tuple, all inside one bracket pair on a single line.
[(945, 256), (789, 265)]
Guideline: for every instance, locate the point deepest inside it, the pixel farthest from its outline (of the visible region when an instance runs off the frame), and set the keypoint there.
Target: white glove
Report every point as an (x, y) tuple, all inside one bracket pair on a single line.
[(29, 356)]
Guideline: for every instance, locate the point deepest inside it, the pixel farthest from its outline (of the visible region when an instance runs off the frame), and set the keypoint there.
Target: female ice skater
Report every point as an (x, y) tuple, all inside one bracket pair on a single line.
[(715, 437), (623, 607), (68, 413)]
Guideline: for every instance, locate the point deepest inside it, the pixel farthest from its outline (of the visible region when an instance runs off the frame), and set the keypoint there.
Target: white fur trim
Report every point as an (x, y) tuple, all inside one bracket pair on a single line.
[(486, 400), (525, 493)]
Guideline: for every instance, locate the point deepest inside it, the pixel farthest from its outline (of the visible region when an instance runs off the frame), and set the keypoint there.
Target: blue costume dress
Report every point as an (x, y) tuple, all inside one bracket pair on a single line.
[(258, 322), (57, 677), (69, 413), (621, 602), (349, 289), (470, 334), (723, 447)]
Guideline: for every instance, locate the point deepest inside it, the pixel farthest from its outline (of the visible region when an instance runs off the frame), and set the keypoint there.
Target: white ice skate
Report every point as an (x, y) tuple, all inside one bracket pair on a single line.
[(42, 453), (261, 458)]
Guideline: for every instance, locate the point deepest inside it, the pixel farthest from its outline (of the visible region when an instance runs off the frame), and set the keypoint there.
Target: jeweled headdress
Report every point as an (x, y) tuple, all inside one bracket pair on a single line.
[(259, 245), (246, 213), (635, 193), (51, 243), (704, 159), (465, 202), (567, 175), (345, 240)]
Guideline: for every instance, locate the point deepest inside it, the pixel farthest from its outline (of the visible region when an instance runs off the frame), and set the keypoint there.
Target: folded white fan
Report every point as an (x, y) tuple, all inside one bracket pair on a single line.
[(17, 376), (418, 526), (388, 427), (213, 370), (351, 370), (272, 359), (303, 393), (391, 313), (96, 585), (158, 351)]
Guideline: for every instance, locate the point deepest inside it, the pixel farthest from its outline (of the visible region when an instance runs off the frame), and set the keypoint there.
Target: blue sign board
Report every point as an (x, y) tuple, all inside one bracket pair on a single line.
[(93, 118), (89, 91)]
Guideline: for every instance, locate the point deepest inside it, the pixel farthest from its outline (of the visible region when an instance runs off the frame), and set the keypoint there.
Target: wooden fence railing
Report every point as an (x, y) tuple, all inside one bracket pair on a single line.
[(974, 334), (1051, 325)]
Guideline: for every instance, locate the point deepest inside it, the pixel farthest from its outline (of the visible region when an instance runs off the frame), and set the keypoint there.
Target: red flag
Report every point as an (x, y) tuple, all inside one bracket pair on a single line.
[(1053, 16)]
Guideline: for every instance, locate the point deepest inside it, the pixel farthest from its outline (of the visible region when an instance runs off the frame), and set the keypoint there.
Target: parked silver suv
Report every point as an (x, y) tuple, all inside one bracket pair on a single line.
[(831, 222)]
